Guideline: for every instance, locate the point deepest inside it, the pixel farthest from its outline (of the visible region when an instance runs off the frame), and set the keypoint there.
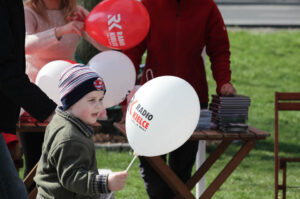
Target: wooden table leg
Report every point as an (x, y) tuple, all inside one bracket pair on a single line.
[(28, 181), (169, 177), (207, 165), (229, 168)]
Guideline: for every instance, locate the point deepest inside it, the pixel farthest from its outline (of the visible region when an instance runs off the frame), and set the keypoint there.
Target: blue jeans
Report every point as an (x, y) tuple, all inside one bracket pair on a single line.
[(11, 186)]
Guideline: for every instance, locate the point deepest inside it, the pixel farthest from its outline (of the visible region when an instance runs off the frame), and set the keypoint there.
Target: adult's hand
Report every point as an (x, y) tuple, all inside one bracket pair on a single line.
[(73, 27), (227, 90), (79, 16)]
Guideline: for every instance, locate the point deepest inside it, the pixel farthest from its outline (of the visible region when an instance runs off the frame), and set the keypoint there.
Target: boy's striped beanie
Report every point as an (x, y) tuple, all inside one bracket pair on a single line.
[(75, 82)]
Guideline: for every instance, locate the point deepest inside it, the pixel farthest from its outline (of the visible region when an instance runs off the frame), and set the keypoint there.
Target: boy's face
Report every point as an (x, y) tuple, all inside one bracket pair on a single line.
[(89, 107)]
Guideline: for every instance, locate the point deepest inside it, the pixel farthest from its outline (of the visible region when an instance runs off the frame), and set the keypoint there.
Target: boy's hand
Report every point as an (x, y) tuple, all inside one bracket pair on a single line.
[(117, 180)]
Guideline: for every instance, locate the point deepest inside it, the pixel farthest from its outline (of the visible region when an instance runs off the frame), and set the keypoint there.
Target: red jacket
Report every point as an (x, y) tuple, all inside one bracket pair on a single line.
[(177, 36)]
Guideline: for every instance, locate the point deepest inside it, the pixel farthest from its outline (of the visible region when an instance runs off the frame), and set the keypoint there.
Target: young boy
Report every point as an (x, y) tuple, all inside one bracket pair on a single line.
[(68, 166)]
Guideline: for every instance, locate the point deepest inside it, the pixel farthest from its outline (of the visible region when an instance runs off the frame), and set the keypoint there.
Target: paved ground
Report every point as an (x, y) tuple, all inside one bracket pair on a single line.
[(260, 13)]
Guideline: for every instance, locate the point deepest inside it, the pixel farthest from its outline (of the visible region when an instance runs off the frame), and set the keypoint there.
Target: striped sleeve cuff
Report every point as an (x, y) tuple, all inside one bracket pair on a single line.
[(100, 184)]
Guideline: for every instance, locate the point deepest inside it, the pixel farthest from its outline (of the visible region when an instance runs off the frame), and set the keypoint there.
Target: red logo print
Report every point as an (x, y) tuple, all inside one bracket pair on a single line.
[(99, 84)]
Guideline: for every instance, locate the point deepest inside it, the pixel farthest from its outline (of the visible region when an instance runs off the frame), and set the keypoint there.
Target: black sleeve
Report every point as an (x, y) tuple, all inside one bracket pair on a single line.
[(14, 83)]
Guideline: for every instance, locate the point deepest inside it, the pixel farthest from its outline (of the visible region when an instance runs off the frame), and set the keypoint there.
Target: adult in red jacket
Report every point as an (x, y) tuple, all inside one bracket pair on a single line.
[(179, 31)]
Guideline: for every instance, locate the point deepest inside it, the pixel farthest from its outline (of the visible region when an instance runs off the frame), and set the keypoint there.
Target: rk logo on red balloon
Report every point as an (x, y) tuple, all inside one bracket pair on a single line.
[(118, 24)]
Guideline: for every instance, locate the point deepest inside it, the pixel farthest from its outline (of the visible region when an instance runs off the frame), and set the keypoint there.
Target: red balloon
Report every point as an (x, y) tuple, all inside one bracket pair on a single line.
[(118, 24)]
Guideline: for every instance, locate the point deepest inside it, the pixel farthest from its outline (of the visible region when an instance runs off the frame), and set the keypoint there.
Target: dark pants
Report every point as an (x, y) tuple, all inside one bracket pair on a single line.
[(181, 161), (11, 186), (32, 147)]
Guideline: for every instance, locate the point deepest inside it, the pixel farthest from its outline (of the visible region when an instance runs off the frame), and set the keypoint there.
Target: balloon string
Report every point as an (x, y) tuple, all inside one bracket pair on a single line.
[(130, 164), (132, 161), (149, 70)]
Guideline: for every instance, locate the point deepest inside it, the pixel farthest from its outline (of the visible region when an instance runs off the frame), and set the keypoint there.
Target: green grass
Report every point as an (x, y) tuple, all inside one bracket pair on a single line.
[(261, 63)]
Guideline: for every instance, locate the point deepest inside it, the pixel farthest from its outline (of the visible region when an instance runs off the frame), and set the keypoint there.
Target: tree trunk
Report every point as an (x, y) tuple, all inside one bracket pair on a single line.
[(85, 51)]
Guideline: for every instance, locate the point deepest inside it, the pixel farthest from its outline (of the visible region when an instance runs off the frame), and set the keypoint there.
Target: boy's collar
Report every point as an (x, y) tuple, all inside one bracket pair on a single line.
[(86, 129)]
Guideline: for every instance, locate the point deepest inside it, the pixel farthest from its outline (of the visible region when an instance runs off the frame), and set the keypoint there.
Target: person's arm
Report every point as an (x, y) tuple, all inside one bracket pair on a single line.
[(35, 42), (14, 84), (135, 54), (81, 15), (217, 48), (97, 45), (42, 40), (71, 169)]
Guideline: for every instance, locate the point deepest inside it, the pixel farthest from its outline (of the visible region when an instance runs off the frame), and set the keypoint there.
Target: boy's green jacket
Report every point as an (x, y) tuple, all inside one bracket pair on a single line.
[(68, 165)]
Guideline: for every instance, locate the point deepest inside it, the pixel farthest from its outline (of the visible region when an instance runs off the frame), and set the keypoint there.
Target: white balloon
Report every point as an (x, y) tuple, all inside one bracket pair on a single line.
[(48, 78), (118, 74), (161, 116)]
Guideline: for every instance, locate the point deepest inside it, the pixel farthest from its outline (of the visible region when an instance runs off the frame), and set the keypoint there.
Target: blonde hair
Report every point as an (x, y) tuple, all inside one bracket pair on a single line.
[(68, 7)]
